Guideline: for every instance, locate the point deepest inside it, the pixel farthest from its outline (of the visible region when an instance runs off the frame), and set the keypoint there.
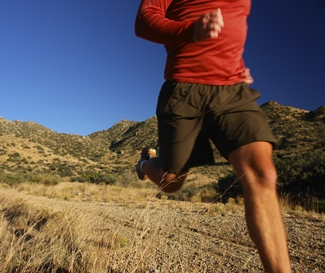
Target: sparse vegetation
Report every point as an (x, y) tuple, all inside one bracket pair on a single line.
[(12, 179), (99, 169), (83, 227)]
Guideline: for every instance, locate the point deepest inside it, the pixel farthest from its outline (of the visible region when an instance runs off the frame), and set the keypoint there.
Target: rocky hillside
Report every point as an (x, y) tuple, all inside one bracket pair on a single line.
[(29, 147), (296, 130)]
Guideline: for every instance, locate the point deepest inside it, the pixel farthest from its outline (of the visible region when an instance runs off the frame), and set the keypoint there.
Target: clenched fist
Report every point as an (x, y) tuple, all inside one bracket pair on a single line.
[(208, 26), (248, 79)]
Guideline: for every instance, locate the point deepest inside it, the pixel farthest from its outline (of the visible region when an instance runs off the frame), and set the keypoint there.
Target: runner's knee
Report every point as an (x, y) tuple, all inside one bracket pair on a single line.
[(265, 178)]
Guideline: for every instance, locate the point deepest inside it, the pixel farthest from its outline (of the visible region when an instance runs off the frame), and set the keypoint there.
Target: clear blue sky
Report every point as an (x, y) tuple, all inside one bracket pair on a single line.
[(76, 66)]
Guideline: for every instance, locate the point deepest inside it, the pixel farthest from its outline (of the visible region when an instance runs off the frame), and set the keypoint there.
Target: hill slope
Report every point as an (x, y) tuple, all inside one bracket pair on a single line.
[(28, 147)]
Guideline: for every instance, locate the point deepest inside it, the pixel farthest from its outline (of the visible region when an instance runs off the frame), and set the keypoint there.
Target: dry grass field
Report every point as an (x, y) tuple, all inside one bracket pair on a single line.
[(80, 227), (109, 223)]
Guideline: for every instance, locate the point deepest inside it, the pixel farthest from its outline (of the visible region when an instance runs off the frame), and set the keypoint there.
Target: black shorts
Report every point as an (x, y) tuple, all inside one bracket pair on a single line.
[(189, 115)]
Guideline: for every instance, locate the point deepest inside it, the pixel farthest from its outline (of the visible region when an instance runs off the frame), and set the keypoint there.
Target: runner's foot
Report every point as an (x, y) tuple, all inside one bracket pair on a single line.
[(145, 155)]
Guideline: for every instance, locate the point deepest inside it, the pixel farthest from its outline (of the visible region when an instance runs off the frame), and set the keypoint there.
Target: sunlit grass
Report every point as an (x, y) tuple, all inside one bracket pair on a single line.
[(42, 234)]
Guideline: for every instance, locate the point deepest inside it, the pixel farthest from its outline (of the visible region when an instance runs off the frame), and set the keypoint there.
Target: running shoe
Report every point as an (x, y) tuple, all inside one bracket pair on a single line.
[(145, 155)]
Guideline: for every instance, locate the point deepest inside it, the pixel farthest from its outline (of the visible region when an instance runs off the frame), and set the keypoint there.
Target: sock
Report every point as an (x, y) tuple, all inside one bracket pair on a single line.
[(141, 165)]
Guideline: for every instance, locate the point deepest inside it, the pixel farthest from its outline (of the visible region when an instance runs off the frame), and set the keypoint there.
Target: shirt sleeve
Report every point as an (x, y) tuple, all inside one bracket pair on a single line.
[(151, 24)]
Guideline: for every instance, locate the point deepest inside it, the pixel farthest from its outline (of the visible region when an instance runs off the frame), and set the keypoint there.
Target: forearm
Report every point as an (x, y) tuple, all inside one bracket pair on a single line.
[(151, 24)]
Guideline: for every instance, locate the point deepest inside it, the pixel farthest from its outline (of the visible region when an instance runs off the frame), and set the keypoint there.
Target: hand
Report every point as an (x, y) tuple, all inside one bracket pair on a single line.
[(208, 26), (248, 79)]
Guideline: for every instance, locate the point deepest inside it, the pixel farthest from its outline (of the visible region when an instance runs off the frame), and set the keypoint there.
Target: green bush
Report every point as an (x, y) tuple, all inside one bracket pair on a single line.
[(65, 171), (37, 178), (78, 179), (302, 175), (98, 178)]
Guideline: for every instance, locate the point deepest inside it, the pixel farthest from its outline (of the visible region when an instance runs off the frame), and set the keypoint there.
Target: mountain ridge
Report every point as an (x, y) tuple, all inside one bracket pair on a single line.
[(296, 130)]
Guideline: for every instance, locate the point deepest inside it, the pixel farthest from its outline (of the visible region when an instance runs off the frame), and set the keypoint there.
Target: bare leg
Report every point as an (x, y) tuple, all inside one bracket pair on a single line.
[(253, 163), (167, 182)]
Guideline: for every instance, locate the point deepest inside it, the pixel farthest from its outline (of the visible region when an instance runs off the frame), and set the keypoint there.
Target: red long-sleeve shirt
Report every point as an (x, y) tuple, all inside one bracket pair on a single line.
[(213, 61)]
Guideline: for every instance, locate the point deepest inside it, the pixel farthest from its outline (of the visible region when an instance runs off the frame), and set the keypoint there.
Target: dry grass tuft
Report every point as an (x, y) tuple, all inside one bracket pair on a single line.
[(54, 240), (40, 235), (80, 227)]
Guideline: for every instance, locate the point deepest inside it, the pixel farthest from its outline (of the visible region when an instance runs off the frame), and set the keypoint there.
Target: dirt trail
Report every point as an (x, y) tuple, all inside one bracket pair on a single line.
[(167, 237)]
